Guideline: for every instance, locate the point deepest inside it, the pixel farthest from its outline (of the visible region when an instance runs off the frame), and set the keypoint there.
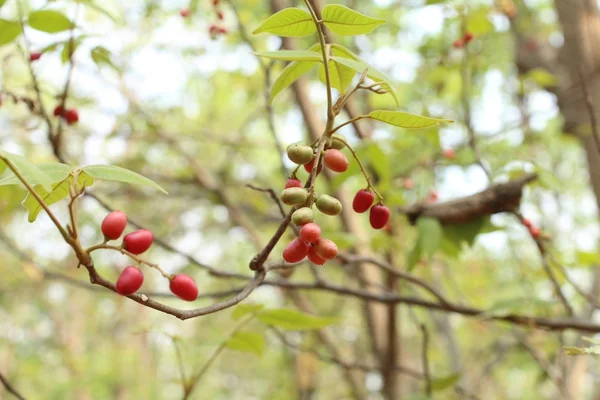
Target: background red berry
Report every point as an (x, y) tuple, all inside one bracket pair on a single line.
[(335, 160), (58, 111), (450, 154), (292, 182), (71, 116), (184, 287), (535, 232), (363, 200), (468, 37), (130, 281), (138, 242), (527, 223), (310, 232), (408, 183), (34, 56), (114, 224), (458, 43), (379, 216), (296, 251)]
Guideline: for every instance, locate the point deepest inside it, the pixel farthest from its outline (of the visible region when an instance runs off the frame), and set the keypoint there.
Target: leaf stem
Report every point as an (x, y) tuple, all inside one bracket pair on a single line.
[(362, 169), (350, 121)]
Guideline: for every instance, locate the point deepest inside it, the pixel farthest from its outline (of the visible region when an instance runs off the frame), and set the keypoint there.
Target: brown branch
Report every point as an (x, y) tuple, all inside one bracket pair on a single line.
[(10, 388), (425, 360)]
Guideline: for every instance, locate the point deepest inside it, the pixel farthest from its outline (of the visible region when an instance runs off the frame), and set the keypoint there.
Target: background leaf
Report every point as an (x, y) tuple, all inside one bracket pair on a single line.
[(293, 320), (405, 120), (9, 31), (247, 342), (245, 309), (430, 235), (49, 21)]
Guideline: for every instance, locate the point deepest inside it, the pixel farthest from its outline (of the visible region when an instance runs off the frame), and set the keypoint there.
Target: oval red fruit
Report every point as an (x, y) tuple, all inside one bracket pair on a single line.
[(130, 281), (363, 200), (335, 160), (138, 242), (34, 56), (58, 111), (458, 44), (326, 248), (185, 12), (184, 287), (310, 232), (296, 251), (292, 182), (114, 224), (315, 258), (527, 223), (379, 217), (433, 196), (71, 116), (468, 37), (450, 154), (309, 166)]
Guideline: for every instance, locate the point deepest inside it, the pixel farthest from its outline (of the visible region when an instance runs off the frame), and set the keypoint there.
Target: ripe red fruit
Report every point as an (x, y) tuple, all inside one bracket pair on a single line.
[(34, 56), (184, 12), (315, 258), (433, 196), (184, 287), (450, 154), (335, 160), (296, 251), (310, 232), (222, 30), (71, 116), (292, 182), (468, 37), (114, 224), (379, 216), (458, 43), (527, 223), (58, 111), (138, 242), (363, 200), (408, 183), (129, 281), (213, 30), (535, 232), (326, 248), (309, 166)]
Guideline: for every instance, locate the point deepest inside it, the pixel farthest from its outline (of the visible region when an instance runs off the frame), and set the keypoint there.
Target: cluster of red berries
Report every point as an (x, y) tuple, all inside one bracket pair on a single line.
[(466, 39), (216, 29), (534, 231), (137, 242), (71, 116)]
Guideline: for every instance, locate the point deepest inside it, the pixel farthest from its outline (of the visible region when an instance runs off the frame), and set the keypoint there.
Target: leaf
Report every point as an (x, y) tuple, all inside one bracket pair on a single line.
[(465, 232), (84, 180), (541, 77), (118, 174), (290, 74), (290, 22), (68, 50), (9, 31), (2, 167), (248, 342), (430, 235), (479, 22), (291, 55), (347, 22), (2, 2), (102, 56), (49, 21), (444, 383), (245, 309), (581, 351), (59, 191), (56, 171), (293, 320), (31, 172), (414, 256), (405, 120)]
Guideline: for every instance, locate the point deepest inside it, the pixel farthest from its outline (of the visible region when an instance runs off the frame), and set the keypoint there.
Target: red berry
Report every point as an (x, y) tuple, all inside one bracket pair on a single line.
[(71, 116), (130, 281), (58, 111), (184, 287), (433, 196), (527, 223), (309, 166), (292, 183), (222, 30), (408, 183), (468, 37), (296, 251), (34, 56), (363, 200), (310, 232), (314, 257), (138, 242), (184, 12), (450, 154), (458, 43), (326, 248), (335, 160), (213, 30), (379, 216), (114, 224), (535, 232)]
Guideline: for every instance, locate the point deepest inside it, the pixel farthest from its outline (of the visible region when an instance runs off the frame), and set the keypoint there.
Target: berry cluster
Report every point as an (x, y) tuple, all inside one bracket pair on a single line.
[(71, 116), (310, 243), (216, 29), (465, 40), (137, 242)]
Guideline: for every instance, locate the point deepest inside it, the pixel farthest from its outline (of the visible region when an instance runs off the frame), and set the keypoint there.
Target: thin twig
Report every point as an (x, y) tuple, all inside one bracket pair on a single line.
[(10, 388), (425, 360)]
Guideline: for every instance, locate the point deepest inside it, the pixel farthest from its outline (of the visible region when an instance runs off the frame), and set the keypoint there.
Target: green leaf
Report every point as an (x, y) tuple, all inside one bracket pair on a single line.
[(59, 191), (290, 74), (291, 55), (294, 320), (9, 31), (102, 56), (347, 22), (31, 172), (118, 174), (582, 351), (245, 309), (2, 167), (56, 171), (541, 77), (290, 22), (465, 232), (84, 180), (68, 50), (479, 22), (247, 342), (49, 21), (405, 120), (2, 2), (444, 383), (430, 235)]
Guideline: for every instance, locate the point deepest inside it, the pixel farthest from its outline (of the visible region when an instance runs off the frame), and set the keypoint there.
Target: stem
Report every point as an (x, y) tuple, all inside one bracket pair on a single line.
[(362, 169), (354, 90), (350, 121), (128, 254)]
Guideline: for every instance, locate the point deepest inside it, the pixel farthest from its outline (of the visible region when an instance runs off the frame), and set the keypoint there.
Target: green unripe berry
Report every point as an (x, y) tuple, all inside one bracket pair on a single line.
[(299, 153), (294, 196), (329, 205), (302, 216), (336, 143)]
